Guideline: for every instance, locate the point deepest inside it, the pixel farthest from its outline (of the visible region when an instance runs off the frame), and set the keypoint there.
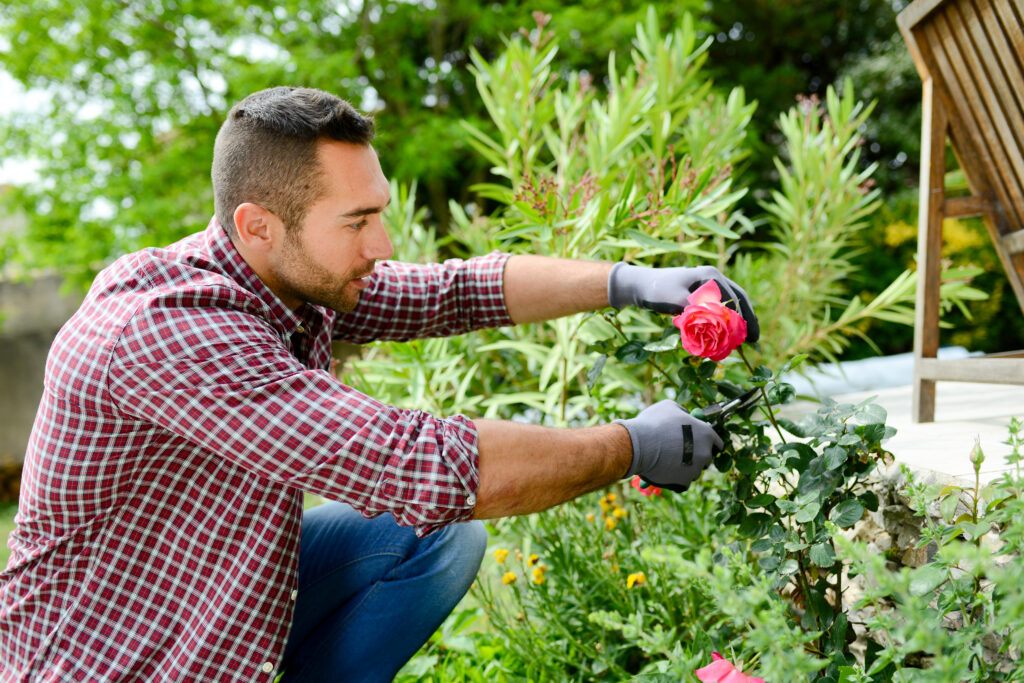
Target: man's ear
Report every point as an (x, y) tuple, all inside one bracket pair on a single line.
[(257, 228)]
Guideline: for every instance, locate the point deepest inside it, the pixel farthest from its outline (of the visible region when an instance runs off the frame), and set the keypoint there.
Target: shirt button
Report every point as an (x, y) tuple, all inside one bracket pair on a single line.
[(300, 330), (295, 594), (268, 668), (471, 499)]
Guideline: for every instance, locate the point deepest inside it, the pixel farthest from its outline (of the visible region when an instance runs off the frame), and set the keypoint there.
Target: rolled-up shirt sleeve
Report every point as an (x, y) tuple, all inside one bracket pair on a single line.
[(406, 301), (224, 381)]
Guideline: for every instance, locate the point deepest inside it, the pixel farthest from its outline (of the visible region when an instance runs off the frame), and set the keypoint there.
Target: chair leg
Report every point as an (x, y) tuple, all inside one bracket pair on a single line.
[(929, 248)]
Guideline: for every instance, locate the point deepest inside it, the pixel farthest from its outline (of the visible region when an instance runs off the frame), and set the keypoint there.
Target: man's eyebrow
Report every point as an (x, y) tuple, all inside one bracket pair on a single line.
[(365, 211)]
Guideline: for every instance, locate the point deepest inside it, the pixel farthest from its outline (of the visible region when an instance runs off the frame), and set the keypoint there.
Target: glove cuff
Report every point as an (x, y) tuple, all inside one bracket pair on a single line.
[(622, 285), (634, 466)]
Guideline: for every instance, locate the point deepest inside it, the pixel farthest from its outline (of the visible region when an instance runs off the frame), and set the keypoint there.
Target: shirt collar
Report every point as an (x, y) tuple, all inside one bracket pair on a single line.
[(224, 252)]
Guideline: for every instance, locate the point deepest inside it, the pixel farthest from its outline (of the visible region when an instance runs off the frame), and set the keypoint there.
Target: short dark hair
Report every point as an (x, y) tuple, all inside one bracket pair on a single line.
[(266, 151)]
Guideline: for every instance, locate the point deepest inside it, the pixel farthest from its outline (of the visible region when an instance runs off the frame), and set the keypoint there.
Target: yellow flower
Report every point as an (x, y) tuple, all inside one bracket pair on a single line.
[(508, 577), (899, 232), (620, 512), (605, 505), (533, 559), (590, 516), (635, 579), (501, 555), (611, 497), (538, 575), (519, 555), (610, 523)]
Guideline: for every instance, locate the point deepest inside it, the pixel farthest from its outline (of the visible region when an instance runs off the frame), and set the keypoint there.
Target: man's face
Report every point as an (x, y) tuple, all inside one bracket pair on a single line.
[(329, 258)]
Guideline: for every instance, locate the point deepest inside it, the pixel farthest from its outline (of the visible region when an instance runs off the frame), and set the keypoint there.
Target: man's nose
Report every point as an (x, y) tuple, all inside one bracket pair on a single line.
[(378, 245)]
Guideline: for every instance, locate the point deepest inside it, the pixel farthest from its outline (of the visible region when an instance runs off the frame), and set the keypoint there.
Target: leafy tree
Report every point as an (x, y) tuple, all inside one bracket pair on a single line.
[(778, 49), (140, 88)]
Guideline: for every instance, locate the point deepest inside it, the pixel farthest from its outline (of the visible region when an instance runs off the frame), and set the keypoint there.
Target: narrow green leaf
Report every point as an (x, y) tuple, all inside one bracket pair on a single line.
[(595, 371)]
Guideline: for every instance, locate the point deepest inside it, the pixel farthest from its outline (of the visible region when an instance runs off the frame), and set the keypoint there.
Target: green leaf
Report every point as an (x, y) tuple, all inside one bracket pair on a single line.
[(926, 579), (835, 456), (595, 371), (707, 369), (872, 413), (974, 531), (870, 500), (712, 226), (947, 508), (822, 554), (687, 374), (761, 500), (670, 340), (847, 513), (791, 427), (808, 513), (789, 567), (762, 374), (792, 363), (632, 352), (873, 433), (781, 393)]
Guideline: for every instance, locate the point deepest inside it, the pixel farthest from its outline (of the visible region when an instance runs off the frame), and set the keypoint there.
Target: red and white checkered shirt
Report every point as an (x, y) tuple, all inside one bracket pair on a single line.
[(185, 411)]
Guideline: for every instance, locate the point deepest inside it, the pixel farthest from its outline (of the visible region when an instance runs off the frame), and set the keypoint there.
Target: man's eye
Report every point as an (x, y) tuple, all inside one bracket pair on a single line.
[(358, 226)]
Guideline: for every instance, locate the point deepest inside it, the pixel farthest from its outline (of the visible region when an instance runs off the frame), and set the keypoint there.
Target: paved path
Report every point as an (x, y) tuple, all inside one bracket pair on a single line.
[(964, 411)]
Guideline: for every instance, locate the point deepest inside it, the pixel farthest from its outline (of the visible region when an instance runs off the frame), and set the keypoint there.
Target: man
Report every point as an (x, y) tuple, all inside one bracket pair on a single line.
[(188, 406)]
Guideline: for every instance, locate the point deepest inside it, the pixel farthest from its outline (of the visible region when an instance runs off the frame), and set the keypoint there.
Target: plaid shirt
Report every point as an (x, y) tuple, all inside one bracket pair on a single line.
[(185, 411)]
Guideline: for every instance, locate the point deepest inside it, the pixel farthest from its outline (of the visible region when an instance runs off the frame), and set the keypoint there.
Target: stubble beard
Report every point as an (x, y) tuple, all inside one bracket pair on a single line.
[(315, 284)]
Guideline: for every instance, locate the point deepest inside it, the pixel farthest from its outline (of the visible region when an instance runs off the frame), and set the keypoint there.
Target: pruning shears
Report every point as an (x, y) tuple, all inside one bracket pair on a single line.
[(717, 413)]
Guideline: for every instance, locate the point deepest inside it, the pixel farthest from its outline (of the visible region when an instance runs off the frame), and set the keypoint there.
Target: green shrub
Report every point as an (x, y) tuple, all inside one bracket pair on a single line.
[(745, 562)]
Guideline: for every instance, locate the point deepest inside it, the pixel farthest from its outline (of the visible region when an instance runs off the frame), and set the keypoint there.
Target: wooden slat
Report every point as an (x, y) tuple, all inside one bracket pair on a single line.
[(1006, 354), (912, 15), (1009, 58), (1002, 84), (992, 370), (964, 207), (973, 130), (1004, 147), (1013, 242)]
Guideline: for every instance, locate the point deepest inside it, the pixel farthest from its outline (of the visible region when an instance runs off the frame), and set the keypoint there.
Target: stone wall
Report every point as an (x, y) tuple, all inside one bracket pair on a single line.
[(31, 313)]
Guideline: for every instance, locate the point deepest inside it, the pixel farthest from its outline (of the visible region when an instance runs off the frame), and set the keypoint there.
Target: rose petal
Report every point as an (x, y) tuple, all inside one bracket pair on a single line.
[(708, 329), (713, 672), (708, 291)]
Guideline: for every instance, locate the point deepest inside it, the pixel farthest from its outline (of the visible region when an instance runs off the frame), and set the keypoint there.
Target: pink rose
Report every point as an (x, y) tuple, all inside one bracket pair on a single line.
[(648, 490), (708, 328), (721, 670)]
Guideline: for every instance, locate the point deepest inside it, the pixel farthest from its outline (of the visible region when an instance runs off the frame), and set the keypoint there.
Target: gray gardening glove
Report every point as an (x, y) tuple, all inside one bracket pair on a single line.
[(671, 448), (664, 290)]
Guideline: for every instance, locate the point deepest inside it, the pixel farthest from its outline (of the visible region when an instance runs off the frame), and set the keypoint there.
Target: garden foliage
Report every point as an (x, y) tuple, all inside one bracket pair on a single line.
[(642, 168)]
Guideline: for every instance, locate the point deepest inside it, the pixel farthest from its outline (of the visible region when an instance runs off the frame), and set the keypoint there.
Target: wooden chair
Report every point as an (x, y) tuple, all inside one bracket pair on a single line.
[(970, 56)]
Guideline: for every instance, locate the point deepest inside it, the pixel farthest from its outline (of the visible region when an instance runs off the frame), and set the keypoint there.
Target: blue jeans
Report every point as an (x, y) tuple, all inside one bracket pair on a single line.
[(371, 593)]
